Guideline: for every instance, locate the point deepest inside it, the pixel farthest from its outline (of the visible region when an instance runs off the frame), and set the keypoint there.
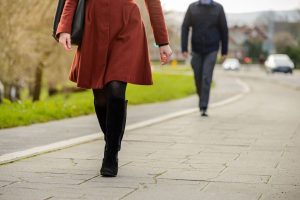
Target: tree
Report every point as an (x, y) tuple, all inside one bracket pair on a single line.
[(10, 34), (28, 48), (283, 40), (294, 53), (254, 48)]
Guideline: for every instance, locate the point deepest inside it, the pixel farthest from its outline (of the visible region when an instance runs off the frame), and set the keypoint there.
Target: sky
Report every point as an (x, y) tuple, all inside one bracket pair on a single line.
[(238, 6)]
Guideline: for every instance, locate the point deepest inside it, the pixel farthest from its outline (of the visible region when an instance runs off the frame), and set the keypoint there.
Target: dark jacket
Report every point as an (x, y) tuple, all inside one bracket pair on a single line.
[(209, 28)]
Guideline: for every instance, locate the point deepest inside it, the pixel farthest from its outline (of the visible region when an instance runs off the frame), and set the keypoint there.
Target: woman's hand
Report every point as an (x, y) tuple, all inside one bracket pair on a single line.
[(165, 54), (65, 40)]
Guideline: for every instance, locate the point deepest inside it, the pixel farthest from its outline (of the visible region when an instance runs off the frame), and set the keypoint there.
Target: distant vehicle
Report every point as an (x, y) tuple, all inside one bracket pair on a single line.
[(231, 64), (279, 63)]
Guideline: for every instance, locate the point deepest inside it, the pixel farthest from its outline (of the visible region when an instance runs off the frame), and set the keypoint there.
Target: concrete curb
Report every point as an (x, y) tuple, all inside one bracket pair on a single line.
[(12, 157)]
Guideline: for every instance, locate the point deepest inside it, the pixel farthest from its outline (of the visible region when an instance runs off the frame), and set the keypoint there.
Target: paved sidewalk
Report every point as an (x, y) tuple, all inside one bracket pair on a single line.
[(55, 131), (248, 150)]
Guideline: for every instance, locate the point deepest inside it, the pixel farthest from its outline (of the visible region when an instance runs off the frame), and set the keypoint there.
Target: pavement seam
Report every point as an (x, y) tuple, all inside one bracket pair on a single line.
[(270, 176), (88, 179), (126, 195), (48, 198), (128, 163), (225, 167), (157, 175), (144, 185), (73, 161), (12, 157), (205, 186), (14, 182), (260, 196), (212, 181), (239, 155)]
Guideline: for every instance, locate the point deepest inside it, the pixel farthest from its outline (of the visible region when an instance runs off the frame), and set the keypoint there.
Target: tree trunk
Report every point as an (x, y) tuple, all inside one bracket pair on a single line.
[(7, 88), (18, 92), (1, 92), (38, 82)]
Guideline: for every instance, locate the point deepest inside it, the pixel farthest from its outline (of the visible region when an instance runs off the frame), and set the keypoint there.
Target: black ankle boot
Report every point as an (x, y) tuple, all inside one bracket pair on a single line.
[(114, 129), (109, 163)]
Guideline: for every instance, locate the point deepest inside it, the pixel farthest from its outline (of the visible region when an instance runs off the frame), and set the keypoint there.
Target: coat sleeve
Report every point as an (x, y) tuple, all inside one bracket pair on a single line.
[(223, 27), (157, 22), (66, 20), (185, 30)]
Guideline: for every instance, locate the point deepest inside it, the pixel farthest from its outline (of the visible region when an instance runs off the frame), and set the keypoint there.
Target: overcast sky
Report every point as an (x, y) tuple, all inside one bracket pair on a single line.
[(238, 6)]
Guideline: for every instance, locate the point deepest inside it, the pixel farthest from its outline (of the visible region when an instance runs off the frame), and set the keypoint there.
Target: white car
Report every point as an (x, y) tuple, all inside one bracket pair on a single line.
[(279, 63), (231, 64)]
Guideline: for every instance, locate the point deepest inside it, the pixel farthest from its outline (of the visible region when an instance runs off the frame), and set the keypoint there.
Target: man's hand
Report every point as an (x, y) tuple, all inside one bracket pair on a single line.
[(223, 58), (185, 54), (65, 40), (165, 54)]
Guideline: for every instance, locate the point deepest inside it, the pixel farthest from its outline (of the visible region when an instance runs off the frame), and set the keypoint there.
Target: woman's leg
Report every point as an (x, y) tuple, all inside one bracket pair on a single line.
[(116, 91), (116, 119), (100, 103)]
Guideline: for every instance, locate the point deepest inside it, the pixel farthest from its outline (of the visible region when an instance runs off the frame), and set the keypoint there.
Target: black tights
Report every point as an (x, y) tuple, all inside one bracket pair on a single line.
[(114, 89)]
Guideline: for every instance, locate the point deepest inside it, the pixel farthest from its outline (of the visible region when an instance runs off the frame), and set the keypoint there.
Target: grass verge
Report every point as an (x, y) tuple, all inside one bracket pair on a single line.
[(166, 87)]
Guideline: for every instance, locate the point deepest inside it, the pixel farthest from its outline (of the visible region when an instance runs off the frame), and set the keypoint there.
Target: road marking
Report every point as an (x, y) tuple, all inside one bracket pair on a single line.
[(11, 157)]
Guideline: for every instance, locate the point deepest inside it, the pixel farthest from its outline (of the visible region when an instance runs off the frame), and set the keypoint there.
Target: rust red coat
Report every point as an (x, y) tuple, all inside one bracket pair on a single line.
[(114, 45)]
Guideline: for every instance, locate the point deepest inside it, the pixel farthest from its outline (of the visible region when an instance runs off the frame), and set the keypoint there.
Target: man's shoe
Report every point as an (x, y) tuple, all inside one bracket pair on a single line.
[(204, 114), (203, 111)]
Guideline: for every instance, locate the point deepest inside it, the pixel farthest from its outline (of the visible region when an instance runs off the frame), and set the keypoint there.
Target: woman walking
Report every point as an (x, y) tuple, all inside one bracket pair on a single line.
[(113, 52)]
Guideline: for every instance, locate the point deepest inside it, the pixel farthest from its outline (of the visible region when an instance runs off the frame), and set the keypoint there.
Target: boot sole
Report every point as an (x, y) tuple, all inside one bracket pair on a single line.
[(107, 173)]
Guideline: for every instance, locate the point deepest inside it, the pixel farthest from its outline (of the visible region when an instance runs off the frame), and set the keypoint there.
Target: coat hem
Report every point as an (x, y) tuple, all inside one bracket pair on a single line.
[(127, 80)]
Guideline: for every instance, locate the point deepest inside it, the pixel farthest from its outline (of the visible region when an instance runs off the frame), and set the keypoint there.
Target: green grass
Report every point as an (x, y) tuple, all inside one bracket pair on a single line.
[(169, 69), (166, 87)]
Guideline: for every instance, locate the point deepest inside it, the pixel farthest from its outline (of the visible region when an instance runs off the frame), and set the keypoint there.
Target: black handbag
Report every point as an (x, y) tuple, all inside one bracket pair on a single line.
[(77, 24)]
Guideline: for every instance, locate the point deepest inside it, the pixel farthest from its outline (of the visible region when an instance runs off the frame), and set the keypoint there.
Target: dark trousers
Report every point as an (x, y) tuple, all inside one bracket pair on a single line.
[(203, 66)]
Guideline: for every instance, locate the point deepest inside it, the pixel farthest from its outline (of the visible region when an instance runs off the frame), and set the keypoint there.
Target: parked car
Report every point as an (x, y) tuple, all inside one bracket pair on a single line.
[(279, 63), (231, 64)]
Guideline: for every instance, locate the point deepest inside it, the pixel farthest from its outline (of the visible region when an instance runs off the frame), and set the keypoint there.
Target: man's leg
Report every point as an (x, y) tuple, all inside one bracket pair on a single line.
[(196, 63), (209, 61)]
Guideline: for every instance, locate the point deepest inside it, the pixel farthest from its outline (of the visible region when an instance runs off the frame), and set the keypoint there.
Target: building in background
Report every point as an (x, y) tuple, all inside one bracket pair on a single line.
[(242, 37)]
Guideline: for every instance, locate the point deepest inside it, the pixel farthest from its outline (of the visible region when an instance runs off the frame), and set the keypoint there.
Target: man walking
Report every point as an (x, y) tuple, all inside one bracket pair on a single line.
[(209, 28)]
